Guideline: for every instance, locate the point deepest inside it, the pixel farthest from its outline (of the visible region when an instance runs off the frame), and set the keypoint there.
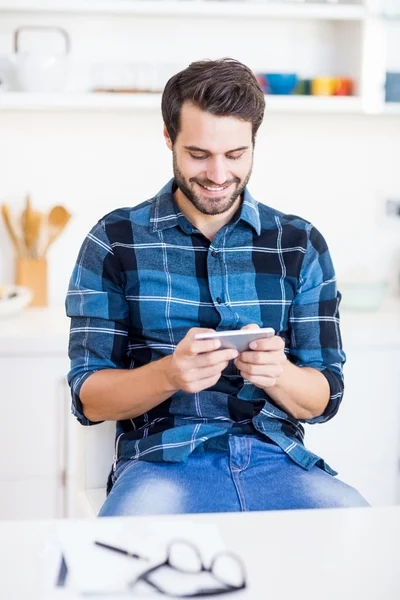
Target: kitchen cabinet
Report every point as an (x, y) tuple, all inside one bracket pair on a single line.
[(362, 442), (311, 39), (33, 365)]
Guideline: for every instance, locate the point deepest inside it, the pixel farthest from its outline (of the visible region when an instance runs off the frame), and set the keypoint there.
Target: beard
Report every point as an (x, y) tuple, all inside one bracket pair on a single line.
[(204, 204)]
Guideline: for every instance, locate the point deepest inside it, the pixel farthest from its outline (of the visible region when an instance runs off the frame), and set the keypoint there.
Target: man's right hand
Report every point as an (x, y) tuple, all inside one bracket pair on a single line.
[(196, 364), (118, 394)]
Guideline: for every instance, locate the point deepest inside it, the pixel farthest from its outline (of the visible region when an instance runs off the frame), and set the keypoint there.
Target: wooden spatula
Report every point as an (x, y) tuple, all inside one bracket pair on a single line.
[(31, 222)]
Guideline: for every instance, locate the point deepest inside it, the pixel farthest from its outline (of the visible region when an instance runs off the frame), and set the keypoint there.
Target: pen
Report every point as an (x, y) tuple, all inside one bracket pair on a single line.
[(120, 550)]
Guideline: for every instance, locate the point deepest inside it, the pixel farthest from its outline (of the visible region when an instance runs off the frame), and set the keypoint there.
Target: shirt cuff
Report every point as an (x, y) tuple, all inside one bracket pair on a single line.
[(336, 387), (76, 406)]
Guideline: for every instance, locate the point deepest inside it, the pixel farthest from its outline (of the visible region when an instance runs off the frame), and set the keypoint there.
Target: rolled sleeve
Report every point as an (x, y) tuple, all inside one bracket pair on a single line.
[(98, 310), (315, 323)]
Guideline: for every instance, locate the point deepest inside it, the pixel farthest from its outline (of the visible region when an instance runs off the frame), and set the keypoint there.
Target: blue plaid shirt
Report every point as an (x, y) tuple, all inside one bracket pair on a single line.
[(145, 275)]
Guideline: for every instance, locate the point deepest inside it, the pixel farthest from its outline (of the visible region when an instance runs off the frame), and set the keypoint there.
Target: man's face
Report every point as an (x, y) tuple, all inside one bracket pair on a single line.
[(212, 159)]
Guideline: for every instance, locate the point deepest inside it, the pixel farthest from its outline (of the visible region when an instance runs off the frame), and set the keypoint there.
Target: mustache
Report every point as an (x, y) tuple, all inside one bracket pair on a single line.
[(209, 183)]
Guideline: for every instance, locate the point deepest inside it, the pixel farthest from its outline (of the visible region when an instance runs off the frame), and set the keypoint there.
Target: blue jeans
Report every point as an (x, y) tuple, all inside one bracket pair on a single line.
[(250, 475)]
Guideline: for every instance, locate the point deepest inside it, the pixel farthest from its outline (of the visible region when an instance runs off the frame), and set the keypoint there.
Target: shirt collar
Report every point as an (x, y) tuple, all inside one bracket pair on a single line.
[(165, 214), (250, 212)]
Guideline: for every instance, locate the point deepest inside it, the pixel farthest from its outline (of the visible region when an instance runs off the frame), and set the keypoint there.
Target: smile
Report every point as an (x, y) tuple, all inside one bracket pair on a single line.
[(213, 189)]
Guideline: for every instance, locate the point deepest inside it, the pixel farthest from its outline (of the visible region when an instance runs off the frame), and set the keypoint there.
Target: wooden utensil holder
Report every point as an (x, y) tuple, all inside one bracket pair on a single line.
[(32, 273)]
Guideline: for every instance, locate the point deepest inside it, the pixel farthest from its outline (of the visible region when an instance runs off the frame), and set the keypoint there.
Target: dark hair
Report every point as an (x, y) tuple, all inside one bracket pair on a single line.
[(223, 87)]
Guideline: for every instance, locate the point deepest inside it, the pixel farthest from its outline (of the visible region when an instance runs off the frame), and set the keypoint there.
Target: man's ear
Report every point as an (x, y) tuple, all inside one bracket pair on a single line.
[(168, 140)]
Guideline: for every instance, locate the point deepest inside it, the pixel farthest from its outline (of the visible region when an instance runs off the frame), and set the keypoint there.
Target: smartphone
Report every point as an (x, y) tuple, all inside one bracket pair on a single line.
[(237, 338)]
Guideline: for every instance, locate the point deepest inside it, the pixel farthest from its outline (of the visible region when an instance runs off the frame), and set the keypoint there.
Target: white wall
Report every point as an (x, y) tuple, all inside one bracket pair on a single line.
[(334, 170)]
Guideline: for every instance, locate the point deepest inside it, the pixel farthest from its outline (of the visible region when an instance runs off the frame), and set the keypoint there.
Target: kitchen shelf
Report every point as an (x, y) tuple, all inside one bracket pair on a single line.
[(67, 101), (184, 8), (307, 37), (314, 104), (19, 101)]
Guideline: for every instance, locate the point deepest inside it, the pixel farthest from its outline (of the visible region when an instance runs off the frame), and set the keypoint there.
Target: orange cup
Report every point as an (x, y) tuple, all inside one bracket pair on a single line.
[(343, 86)]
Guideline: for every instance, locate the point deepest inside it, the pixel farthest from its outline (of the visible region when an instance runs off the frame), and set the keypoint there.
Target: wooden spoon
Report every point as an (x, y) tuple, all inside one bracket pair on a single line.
[(57, 219), (11, 229), (33, 233)]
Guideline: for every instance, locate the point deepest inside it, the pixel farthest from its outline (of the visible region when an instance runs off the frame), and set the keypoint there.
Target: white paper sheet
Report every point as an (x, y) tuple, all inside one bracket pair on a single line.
[(97, 571)]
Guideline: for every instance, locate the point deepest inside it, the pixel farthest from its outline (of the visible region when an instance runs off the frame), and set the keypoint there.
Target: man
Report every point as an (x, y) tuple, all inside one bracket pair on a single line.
[(201, 428)]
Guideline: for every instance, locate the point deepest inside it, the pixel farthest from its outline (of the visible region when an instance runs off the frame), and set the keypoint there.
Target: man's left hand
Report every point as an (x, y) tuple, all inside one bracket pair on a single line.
[(264, 363)]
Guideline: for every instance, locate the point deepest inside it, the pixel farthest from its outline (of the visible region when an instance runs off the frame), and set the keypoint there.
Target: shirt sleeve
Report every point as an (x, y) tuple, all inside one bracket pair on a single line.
[(314, 321), (99, 314)]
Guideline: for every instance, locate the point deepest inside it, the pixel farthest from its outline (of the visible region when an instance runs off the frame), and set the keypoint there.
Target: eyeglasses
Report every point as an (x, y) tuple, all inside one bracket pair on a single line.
[(226, 569)]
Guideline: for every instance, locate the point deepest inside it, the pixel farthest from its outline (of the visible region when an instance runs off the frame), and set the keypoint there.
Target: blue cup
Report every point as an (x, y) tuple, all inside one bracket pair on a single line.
[(281, 83)]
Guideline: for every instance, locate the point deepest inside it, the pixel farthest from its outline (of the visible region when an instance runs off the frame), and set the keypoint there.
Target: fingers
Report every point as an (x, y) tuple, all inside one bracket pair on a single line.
[(215, 358), (200, 354), (214, 371), (272, 343), (263, 366), (248, 370), (196, 380), (192, 347), (263, 358), (201, 362), (202, 384), (196, 364)]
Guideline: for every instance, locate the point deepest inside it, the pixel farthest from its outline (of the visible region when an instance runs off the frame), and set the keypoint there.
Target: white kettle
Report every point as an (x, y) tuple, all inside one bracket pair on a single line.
[(39, 71)]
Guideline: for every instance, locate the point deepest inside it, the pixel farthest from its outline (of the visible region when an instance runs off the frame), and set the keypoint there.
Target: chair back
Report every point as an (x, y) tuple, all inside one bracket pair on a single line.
[(89, 455)]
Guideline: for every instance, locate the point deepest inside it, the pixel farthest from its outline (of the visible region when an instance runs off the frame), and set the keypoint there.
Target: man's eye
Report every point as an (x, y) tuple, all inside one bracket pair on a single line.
[(235, 157), (198, 157)]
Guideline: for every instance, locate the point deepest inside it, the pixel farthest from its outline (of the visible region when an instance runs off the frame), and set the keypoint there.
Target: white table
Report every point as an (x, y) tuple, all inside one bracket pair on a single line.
[(289, 555)]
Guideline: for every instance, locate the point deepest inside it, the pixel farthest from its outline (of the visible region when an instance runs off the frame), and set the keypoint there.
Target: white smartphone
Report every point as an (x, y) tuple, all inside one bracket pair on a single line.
[(237, 338)]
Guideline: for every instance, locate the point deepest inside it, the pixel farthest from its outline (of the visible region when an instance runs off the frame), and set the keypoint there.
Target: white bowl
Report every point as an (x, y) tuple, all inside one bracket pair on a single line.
[(13, 299)]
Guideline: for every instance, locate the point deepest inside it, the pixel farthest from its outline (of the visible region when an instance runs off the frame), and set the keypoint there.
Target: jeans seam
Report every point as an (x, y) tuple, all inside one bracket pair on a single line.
[(235, 472), (242, 501)]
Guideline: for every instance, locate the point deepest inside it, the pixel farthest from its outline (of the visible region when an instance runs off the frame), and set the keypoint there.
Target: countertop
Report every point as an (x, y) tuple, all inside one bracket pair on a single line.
[(35, 331), (45, 331)]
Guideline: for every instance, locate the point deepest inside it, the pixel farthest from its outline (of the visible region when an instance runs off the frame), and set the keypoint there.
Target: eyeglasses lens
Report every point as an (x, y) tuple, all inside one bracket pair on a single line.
[(184, 557), (228, 570)]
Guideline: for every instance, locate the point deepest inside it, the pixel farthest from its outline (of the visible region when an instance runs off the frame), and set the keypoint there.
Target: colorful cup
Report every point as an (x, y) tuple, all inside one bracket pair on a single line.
[(262, 82), (303, 87), (281, 84), (343, 86), (323, 86)]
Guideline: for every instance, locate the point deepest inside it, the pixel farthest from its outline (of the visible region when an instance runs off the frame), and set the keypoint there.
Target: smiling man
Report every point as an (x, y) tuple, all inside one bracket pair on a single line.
[(201, 428)]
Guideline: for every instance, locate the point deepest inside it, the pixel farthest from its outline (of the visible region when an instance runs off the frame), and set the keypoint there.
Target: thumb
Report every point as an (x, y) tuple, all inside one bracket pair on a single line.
[(251, 326)]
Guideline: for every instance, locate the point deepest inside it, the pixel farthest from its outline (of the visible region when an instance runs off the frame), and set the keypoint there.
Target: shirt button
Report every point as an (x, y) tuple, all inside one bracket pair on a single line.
[(218, 300), (213, 253)]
